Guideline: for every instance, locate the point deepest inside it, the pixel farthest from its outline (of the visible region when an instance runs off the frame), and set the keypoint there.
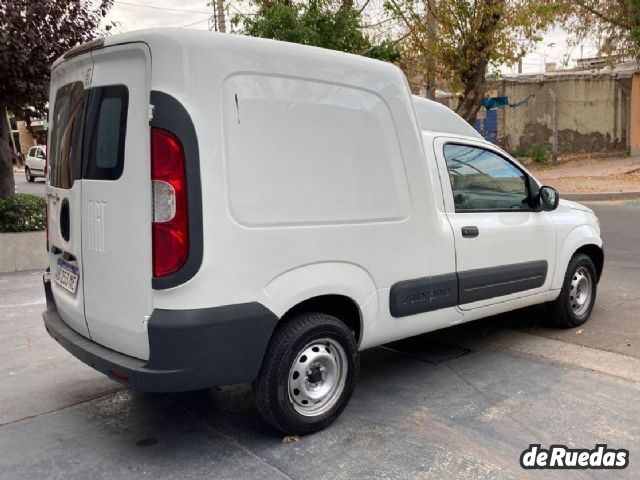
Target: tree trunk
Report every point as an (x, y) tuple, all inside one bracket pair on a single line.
[(475, 88), (478, 54), (7, 183)]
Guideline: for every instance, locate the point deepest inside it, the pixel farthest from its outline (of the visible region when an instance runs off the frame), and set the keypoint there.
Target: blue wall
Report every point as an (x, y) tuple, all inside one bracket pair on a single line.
[(488, 127)]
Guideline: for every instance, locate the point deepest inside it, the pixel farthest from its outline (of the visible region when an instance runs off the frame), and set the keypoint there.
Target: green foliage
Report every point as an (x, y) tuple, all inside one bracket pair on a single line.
[(520, 153), (616, 24), (385, 50), (33, 33), (336, 25), (22, 213), (539, 152)]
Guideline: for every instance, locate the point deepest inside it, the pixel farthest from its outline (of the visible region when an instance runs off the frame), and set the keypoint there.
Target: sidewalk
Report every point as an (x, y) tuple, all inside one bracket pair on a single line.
[(614, 177)]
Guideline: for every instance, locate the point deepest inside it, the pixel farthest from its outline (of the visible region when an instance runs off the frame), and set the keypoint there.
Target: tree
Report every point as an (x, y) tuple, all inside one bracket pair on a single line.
[(33, 33), (333, 24), (616, 23), (465, 38)]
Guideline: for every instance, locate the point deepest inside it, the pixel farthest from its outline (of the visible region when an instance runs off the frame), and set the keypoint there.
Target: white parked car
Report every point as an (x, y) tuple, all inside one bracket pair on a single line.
[(35, 162), (227, 209)]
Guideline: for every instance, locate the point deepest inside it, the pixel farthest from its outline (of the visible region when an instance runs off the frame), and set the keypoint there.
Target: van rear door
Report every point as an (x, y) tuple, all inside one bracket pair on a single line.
[(70, 83), (116, 200)]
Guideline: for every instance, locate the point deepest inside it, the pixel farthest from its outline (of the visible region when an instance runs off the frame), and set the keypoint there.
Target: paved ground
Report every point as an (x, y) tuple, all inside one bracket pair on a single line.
[(588, 167), (591, 175), (411, 417), (22, 186)]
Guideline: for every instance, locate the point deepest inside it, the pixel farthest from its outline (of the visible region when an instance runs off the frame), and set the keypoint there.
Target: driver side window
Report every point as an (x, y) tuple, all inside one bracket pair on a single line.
[(483, 181)]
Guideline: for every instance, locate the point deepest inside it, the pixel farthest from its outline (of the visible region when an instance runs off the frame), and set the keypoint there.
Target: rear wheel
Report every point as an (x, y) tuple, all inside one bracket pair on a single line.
[(308, 374), (27, 173), (573, 306)]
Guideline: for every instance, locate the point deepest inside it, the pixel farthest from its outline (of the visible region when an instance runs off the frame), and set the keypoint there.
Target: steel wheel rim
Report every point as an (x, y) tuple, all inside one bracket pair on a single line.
[(317, 377), (581, 291)]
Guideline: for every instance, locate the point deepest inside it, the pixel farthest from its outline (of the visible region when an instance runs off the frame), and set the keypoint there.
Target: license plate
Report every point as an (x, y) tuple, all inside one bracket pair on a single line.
[(66, 276)]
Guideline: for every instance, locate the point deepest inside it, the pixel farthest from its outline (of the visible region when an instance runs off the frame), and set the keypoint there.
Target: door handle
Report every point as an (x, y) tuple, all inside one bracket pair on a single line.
[(470, 232)]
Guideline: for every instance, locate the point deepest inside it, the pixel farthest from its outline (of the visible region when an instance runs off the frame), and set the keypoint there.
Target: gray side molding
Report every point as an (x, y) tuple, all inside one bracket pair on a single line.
[(486, 283)]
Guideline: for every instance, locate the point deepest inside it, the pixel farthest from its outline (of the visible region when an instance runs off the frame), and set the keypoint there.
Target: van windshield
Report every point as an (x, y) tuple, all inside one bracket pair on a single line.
[(65, 137)]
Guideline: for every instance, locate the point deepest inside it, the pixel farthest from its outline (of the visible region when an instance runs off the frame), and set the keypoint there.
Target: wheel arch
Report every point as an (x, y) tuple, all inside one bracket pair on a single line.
[(339, 289), (342, 307), (596, 254), (582, 239)]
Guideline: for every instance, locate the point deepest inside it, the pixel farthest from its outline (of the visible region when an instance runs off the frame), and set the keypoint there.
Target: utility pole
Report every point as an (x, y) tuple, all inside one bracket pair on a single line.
[(554, 125), (429, 60), (220, 16)]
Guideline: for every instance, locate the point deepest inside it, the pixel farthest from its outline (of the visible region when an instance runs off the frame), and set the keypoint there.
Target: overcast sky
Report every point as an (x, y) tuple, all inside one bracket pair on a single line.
[(137, 14)]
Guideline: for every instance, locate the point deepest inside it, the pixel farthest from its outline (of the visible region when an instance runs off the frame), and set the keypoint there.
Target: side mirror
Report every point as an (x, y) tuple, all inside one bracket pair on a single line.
[(548, 198)]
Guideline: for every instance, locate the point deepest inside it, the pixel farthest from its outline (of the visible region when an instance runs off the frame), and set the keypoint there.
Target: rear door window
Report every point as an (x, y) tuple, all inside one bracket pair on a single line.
[(66, 136), (105, 131), (88, 134)]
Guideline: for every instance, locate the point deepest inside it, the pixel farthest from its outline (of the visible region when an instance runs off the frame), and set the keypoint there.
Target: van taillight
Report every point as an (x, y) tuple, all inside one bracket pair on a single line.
[(170, 228)]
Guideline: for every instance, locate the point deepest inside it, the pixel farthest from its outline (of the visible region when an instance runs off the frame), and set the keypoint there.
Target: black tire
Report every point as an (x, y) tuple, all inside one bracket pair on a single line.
[(27, 173), (562, 313), (271, 388)]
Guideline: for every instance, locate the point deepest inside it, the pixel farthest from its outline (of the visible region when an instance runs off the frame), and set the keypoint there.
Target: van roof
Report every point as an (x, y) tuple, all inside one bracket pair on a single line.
[(435, 117), (169, 44), (203, 38)]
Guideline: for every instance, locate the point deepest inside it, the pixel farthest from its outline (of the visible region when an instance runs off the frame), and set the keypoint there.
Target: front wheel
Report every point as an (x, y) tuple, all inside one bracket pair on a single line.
[(308, 374), (27, 173), (573, 306)]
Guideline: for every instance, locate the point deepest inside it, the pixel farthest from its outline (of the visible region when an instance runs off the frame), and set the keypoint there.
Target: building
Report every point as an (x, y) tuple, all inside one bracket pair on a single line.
[(573, 110), (27, 138)]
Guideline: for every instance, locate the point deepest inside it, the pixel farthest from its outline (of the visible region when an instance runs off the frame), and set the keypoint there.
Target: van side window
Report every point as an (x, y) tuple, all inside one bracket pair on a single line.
[(482, 180), (32, 152), (105, 131)]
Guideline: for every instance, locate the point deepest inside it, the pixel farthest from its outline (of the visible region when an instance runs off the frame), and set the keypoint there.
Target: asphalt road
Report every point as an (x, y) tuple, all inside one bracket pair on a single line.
[(421, 409), (22, 186)]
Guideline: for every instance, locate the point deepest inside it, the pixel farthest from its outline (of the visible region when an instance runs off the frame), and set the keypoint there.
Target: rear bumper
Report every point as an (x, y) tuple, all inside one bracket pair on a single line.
[(189, 349)]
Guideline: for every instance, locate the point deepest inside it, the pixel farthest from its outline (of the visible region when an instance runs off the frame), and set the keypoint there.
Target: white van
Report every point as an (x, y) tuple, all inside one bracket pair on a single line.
[(35, 162), (225, 209)]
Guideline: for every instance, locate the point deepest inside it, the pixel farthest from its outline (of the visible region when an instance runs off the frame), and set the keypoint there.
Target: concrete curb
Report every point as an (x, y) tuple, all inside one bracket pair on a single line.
[(610, 363), (600, 196), (23, 251)]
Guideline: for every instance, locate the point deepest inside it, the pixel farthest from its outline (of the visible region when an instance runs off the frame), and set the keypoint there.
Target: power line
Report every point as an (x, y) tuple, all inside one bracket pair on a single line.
[(240, 12), (155, 7), (195, 23)]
